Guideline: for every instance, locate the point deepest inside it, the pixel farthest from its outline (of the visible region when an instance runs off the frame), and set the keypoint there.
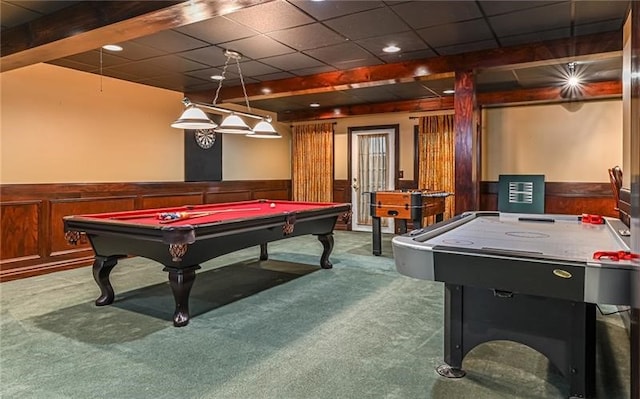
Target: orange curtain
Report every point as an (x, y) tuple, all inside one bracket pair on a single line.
[(312, 175), (436, 158)]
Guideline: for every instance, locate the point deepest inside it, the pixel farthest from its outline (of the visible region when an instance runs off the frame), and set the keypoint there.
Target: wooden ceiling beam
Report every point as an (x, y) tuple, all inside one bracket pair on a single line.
[(436, 67), (91, 24), (588, 91)]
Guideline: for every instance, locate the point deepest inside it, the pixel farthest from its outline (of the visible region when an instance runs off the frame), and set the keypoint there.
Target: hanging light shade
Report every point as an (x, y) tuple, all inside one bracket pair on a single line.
[(193, 118), (233, 124), (264, 130)]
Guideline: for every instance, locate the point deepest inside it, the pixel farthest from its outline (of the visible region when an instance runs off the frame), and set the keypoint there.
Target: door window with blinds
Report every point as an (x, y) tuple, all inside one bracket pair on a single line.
[(372, 171)]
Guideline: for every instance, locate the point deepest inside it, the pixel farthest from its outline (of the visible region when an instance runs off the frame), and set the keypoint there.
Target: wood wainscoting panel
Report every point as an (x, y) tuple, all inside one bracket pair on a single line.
[(227, 196), (80, 206), (169, 200), (275, 194), (34, 213), (341, 191), (571, 198), (19, 232)]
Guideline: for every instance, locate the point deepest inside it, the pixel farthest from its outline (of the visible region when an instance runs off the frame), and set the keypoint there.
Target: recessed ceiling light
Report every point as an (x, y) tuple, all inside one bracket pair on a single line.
[(314, 105), (573, 81), (112, 47), (392, 48), (217, 77), (448, 91), (266, 90)]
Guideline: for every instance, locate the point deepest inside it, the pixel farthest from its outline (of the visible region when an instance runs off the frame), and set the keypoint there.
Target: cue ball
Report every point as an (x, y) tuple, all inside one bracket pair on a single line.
[(273, 205)]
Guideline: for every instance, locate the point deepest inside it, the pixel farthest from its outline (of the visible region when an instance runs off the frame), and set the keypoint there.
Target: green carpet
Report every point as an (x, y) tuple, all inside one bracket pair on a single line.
[(282, 328)]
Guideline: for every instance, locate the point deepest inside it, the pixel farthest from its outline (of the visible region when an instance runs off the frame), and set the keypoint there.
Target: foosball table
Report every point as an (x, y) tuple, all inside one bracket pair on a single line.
[(403, 206)]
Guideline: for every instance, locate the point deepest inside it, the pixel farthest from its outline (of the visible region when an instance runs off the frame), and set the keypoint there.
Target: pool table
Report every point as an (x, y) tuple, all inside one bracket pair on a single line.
[(528, 278), (182, 238)]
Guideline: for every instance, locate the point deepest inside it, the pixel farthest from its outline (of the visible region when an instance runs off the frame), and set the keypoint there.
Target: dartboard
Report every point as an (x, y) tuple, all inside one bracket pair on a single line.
[(205, 138)]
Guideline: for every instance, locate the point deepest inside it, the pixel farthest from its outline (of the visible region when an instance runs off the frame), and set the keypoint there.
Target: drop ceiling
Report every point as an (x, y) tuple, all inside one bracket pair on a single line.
[(284, 39)]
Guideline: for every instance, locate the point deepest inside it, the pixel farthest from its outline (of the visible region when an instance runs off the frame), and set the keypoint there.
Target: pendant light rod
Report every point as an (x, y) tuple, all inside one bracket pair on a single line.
[(218, 109)]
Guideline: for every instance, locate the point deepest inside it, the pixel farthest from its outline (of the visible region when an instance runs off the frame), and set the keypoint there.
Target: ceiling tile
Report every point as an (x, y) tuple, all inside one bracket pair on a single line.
[(374, 94), (491, 7), (271, 16), (92, 58), (313, 70), (380, 21), (407, 41), (177, 64), (599, 27), (205, 74), (258, 47), (171, 41), (307, 37), (439, 85), (467, 47), (135, 52), (422, 14), (413, 90), (254, 68), (409, 55), (357, 63), (596, 11), (176, 79), (534, 37), (217, 30), (141, 69), (456, 33), (278, 105), (292, 61), (274, 76), (344, 52), (323, 10), (211, 55), (549, 17), (12, 15), (488, 76)]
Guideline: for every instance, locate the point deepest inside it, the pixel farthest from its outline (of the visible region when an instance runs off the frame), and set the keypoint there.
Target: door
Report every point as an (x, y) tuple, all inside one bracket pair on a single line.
[(372, 169)]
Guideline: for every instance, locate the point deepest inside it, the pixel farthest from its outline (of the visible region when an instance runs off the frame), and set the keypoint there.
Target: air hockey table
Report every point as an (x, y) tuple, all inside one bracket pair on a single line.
[(528, 278)]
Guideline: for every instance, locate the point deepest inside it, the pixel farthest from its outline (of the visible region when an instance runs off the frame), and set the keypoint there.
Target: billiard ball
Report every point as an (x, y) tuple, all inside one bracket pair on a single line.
[(273, 205)]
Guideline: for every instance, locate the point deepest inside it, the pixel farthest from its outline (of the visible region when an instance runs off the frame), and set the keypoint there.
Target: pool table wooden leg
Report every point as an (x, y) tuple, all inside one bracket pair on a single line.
[(181, 281), (102, 266), (327, 243)]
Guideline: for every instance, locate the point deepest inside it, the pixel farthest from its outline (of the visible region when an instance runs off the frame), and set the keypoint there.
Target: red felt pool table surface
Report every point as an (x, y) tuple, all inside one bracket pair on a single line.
[(211, 213)]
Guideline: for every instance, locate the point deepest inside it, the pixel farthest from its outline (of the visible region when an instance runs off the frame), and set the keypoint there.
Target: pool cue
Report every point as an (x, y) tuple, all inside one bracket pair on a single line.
[(202, 214)]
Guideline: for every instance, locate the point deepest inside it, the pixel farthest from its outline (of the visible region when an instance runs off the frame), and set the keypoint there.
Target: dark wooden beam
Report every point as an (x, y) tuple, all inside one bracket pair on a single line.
[(428, 104), (88, 25), (588, 91), (437, 67), (467, 160)]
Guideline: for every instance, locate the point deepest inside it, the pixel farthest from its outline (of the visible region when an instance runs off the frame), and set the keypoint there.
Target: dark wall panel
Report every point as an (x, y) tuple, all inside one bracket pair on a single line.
[(202, 164)]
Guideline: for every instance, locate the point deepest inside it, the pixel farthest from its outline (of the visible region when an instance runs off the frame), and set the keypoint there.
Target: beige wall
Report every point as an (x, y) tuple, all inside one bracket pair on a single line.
[(64, 126), (59, 125), (574, 142), (406, 138)]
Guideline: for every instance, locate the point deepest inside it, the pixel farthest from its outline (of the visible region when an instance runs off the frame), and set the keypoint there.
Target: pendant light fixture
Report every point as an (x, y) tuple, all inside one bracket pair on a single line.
[(194, 118)]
